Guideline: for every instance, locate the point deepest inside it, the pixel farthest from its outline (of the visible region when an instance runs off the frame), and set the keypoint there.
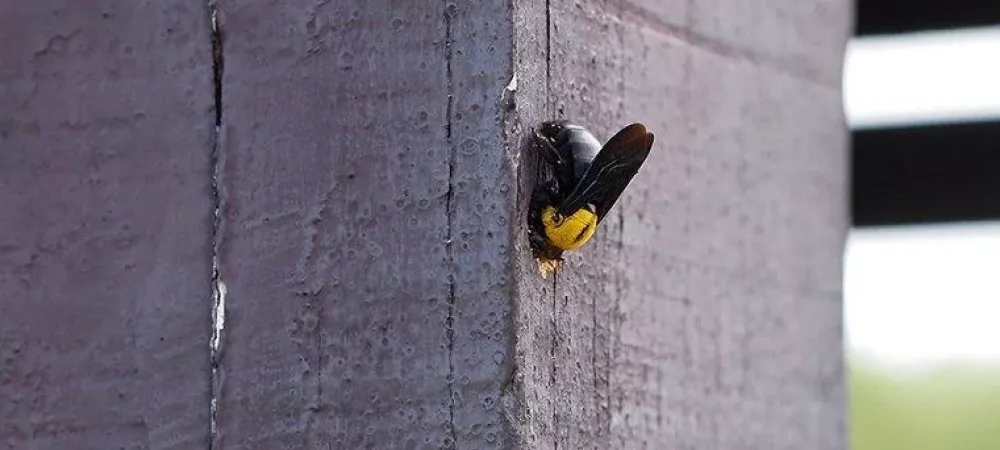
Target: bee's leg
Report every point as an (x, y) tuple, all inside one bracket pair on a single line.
[(560, 168), (536, 240), (549, 152), (535, 235)]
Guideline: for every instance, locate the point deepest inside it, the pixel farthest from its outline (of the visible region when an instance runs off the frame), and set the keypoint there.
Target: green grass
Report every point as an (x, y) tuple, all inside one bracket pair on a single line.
[(953, 407)]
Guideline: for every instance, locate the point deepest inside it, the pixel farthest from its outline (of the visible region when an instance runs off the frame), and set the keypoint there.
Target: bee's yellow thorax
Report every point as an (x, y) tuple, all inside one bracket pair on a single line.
[(571, 232)]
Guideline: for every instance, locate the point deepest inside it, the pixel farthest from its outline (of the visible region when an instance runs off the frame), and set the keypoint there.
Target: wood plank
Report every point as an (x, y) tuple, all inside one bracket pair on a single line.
[(366, 227), (106, 140)]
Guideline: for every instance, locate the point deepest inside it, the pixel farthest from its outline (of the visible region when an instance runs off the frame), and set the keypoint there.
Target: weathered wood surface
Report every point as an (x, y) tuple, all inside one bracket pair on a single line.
[(106, 134), (708, 312), (365, 225), (373, 178)]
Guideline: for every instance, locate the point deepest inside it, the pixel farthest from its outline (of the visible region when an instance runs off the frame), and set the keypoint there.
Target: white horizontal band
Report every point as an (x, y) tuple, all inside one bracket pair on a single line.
[(920, 78)]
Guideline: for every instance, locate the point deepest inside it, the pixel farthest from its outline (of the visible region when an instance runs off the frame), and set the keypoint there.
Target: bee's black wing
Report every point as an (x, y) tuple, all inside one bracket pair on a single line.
[(613, 168)]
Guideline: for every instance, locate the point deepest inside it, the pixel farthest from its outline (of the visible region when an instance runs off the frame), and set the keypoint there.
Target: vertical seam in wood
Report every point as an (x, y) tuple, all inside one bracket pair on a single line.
[(548, 59), (218, 311), (318, 341), (552, 360), (449, 246), (593, 362), (549, 107)]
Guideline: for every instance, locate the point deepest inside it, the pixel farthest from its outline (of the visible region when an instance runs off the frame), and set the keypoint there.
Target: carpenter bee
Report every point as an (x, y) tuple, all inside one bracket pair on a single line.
[(579, 181)]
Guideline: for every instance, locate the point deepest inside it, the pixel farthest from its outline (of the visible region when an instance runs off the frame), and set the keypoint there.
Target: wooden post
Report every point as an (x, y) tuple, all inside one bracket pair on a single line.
[(381, 290), (373, 174)]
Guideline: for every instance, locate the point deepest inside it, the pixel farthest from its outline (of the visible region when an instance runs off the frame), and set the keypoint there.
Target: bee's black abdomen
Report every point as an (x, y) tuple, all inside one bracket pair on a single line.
[(574, 143)]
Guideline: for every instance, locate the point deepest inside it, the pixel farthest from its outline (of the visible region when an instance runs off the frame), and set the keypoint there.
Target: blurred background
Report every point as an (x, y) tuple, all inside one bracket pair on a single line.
[(922, 266)]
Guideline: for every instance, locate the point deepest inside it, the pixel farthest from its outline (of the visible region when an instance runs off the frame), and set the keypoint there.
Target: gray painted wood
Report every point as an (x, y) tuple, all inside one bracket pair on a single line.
[(106, 134), (373, 177), (366, 225), (707, 311)]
